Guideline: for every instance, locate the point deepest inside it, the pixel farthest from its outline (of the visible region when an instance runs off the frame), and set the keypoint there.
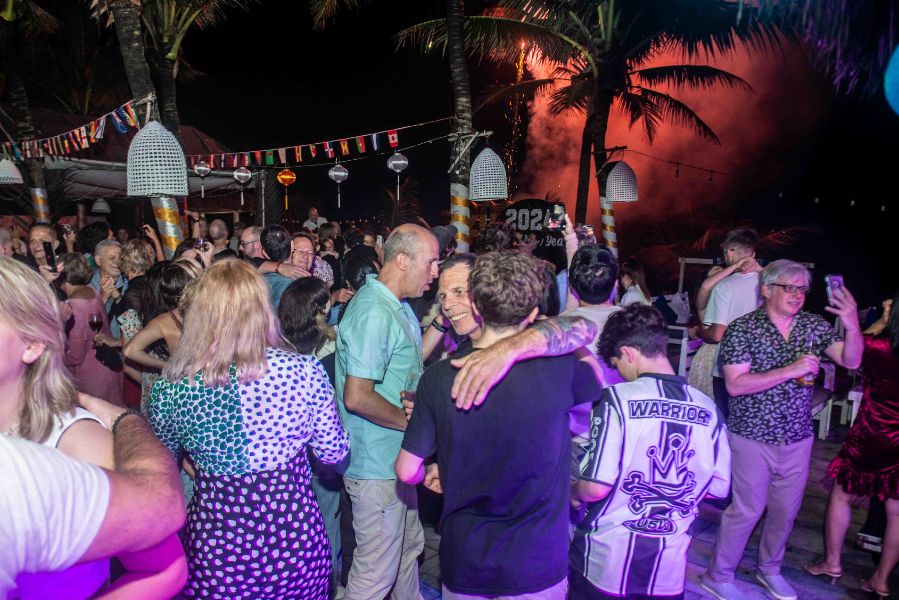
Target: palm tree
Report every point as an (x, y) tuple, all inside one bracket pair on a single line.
[(455, 22), (166, 23), (604, 48), (126, 17), (850, 40)]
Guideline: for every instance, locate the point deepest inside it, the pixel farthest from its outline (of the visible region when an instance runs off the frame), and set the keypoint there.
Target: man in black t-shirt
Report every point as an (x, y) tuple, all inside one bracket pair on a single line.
[(503, 465)]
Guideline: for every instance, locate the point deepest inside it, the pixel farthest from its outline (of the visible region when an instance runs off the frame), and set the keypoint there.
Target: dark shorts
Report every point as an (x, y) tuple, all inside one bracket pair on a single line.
[(579, 588)]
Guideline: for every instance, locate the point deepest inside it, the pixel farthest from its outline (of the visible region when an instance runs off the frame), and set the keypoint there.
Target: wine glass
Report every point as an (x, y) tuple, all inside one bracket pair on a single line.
[(95, 321)]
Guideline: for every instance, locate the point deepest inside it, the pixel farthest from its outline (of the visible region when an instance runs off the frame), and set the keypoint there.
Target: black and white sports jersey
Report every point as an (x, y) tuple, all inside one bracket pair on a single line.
[(660, 446)]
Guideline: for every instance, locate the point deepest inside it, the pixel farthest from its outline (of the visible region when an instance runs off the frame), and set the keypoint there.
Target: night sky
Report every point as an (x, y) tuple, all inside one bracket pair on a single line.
[(265, 79)]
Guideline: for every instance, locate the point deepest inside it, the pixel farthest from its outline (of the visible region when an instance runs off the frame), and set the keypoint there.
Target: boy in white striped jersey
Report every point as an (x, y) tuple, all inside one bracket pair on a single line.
[(657, 447)]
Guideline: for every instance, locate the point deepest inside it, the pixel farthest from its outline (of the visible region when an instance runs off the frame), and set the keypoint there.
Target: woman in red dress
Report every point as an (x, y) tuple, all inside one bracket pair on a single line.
[(868, 463)]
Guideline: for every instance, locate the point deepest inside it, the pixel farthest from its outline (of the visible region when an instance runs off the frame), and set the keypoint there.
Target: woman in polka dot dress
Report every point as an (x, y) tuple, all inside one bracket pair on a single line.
[(244, 409)]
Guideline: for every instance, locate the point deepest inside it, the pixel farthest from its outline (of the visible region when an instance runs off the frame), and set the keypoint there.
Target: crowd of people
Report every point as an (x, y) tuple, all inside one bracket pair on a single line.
[(251, 417)]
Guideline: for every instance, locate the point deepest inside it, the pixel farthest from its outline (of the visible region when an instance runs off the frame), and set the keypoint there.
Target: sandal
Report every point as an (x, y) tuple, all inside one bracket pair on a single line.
[(817, 569), (865, 584)]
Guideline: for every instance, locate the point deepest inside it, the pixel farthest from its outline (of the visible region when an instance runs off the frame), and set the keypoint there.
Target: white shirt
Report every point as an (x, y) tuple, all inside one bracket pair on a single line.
[(732, 298), (310, 224), (579, 416), (52, 507), (658, 444), (634, 295)]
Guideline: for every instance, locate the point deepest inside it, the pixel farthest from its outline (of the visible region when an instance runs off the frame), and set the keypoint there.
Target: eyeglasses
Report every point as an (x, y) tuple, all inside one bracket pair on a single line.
[(792, 289), (243, 244)]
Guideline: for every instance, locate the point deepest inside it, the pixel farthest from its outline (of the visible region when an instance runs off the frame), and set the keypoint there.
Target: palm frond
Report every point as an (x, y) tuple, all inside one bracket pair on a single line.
[(636, 108), (677, 113), (691, 76), (499, 38), (323, 11), (524, 90), (575, 97), (213, 12)]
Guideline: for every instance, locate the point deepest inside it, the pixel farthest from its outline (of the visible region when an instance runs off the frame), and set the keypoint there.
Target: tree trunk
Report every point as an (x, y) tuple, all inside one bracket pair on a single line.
[(131, 44), (460, 214), (583, 171), (168, 106), (21, 109)]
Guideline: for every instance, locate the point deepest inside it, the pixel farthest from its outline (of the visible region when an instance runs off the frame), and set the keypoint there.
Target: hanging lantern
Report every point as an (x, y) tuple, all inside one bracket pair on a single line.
[(338, 175), (285, 178), (9, 173), (488, 177), (621, 186), (157, 168), (156, 164), (101, 207), (242, 175), (397, 163), (202, 169)]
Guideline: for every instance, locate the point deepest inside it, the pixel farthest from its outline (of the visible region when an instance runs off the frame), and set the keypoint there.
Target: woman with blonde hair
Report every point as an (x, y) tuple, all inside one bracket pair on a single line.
[(38, 403), (245, 408)]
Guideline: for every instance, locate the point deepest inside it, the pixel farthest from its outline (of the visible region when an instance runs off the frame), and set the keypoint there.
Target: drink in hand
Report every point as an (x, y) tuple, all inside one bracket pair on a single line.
[(807, 380), (95, 322)]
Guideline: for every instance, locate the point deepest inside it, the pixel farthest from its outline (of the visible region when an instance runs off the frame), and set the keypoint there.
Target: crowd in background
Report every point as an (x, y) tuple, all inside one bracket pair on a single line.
[(273, 398)]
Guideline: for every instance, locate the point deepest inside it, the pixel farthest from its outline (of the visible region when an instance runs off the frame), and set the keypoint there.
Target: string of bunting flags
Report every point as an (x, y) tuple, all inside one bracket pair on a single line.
[(296, 154), (123, 118)]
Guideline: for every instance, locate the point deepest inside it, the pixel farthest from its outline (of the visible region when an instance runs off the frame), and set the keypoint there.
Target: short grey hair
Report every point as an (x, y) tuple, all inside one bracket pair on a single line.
[(783, 270), (255, 231), (405, 240), (5, 236), (106, 244)]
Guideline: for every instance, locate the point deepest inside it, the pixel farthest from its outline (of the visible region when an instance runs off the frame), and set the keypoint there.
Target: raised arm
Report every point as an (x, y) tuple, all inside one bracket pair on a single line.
[(480, 371), (145, 476), (847, 353)]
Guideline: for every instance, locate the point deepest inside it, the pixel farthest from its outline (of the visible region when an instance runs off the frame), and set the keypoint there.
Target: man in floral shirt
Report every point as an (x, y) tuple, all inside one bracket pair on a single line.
[(770, 422)]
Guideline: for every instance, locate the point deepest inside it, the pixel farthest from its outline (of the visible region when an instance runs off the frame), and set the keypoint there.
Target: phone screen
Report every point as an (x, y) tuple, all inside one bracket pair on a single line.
[(833, 282), (50, 255), (556, 217)]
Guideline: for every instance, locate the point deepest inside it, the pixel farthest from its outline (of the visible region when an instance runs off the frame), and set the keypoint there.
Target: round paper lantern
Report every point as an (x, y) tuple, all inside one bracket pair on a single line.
[(286, 177), (397, 163), (488, 177), (338, 175), (9, 173), (242, 175), (156, 164), (202, 169)]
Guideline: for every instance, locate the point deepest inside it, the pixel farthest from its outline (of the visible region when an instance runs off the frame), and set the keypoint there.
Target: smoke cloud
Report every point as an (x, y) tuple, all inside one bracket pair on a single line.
[(764, 132)]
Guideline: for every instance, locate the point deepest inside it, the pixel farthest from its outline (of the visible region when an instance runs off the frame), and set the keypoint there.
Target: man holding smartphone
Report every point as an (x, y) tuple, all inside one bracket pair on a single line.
[(763, 355)]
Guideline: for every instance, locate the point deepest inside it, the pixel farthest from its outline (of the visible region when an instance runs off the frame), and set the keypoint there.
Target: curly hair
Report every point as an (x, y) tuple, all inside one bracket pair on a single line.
[(135, 257), (637, 326), (302, 312), (593, 273), (496, 236), (506, 286)]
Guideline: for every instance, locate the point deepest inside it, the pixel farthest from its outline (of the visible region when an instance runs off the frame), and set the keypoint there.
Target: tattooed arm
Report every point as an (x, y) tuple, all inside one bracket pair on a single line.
[(480, 371)]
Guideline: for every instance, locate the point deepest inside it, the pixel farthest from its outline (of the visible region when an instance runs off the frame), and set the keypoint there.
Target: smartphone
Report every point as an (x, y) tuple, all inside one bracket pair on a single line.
[(556, 219), (201, 244), (50, 256), (833, 282), (379, 240)]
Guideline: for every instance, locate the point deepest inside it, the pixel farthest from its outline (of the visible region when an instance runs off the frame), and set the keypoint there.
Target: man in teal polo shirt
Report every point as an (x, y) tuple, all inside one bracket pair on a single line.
[(378, 346)]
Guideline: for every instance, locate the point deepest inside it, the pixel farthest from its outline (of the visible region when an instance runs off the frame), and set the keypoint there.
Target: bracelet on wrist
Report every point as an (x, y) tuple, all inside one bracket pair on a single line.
[(130, 411), (439, 326)]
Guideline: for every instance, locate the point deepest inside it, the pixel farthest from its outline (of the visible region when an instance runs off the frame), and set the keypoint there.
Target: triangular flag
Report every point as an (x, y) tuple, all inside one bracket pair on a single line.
[(360, 143), (282, 155), (394, 138), (298, 153), (118, 123), (312, 150), (258, 155), (101, 128), (344, 147), (328, 149), (269, 157)]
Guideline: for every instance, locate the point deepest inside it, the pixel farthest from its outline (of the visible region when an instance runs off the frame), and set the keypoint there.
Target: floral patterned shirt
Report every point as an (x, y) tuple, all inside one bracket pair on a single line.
[(782, 414)]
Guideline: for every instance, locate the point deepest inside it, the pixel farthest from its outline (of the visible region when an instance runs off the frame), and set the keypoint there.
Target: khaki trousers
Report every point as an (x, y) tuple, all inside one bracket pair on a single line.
[(389, 538)]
